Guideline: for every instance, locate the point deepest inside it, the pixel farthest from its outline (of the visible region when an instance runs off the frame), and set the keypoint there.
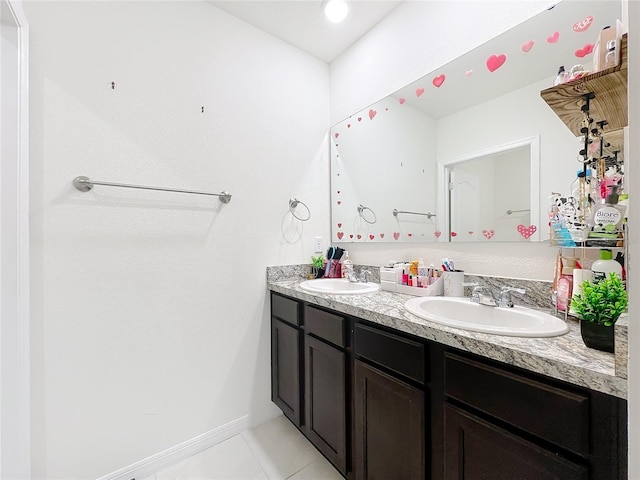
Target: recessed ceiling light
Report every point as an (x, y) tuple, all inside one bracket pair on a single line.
[(336, 10)]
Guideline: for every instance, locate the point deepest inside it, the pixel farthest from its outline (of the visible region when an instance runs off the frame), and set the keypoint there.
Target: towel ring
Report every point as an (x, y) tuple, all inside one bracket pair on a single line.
[(361, 209), (293, 203)]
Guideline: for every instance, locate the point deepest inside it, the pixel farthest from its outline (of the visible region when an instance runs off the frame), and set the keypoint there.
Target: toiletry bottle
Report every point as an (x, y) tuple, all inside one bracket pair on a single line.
[(347, 266), (565, 284), (423, 273), (562, 76), (609, 216), (606, 265)]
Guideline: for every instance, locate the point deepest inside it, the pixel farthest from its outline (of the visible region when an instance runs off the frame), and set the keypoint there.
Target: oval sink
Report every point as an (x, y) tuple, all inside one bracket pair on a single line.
[(339, 286), (467, 315)]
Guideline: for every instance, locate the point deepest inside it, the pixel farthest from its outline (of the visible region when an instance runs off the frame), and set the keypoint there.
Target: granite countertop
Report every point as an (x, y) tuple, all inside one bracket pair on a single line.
[(565, 357)]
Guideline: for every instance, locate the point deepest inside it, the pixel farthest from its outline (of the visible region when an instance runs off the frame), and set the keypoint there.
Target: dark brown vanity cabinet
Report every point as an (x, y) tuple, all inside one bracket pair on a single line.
[(286, 357), (389, 398), (325, 384), (502, 424), (382, 404)]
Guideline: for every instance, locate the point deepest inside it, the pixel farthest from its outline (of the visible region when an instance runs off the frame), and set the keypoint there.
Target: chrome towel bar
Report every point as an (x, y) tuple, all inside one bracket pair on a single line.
[(428, 214), (84, 184)]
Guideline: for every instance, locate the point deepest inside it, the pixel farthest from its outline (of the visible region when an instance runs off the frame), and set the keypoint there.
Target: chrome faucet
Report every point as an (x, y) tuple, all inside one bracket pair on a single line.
[(364, 274), (350, 275), (483, 295)]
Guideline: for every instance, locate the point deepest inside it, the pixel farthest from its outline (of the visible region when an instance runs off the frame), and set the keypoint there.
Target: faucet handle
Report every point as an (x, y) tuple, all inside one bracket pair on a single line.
[(505, 296)]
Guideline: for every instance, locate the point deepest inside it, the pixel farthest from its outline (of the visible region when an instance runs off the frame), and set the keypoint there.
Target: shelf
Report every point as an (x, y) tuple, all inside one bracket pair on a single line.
[(610, 103)]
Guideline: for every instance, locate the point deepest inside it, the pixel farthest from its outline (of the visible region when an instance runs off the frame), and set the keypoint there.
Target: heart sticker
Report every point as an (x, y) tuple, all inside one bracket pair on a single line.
[(527, 46), (494, 62), (488, 234), (583, 24), (437, 233), (338, 192), (419, 91), (409, 234), (454, 234), (470, 232), (382, 235), (359, 236), (351, 236), (584, 51), (439, 80), (337, 135), (468, 73), (371, 237), (359, 119), (553, 38), (402, 100), (339, 202), (339, 225), (340, 235), (526, 232), (372, 113), (396, 235), (348, 125)]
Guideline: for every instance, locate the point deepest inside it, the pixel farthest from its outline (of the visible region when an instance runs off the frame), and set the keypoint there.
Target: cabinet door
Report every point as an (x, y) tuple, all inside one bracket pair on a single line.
[(285, 369), (478, 450), (325, 402), (389, 437)]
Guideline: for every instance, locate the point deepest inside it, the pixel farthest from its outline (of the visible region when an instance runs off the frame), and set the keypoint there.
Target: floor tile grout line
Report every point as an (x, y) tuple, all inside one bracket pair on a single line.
[(253, 454)]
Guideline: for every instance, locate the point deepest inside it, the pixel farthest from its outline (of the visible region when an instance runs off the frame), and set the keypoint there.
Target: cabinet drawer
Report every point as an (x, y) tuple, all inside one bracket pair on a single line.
[(550, 413), (325, 325), (285, 309), (397, 353)]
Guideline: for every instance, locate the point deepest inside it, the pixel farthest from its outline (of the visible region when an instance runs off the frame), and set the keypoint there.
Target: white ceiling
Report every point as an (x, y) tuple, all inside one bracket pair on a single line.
[(302, 23)]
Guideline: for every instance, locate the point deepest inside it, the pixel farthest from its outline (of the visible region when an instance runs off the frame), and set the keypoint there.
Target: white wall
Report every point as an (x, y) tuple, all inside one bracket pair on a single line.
[(149, 309)]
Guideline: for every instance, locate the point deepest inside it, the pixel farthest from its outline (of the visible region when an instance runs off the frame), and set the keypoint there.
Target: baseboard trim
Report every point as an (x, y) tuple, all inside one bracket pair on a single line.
[(150, 465)]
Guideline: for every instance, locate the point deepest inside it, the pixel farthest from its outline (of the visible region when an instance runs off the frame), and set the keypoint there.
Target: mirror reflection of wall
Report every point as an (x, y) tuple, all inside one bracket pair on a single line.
[(470, 105), (382, 163)]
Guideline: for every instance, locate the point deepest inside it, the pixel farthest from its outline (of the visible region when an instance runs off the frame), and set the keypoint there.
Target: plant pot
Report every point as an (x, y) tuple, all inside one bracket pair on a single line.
[(597, 336)]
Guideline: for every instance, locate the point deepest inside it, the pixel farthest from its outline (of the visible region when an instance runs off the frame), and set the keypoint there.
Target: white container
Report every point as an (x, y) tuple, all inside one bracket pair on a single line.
[(453, 284), (606, 265)]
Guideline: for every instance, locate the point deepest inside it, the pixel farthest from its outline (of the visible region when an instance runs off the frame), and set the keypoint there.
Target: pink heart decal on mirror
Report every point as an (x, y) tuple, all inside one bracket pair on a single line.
[(439, 80), (584, 51), (494, 62), (402, 100), (488, 234), (359, 236), (437, 233), (468, 73), (348, 125), (339, 202), (351, 236), (372, 113), (419, 91), (454, 234), (339, 225), (527, 46), (553, 38), (337, 135), (583, 25), (470, 232), (359, 119), (396, 235), (340, 235), (409, 234), (525, 231), (382, 235), (371, 237)]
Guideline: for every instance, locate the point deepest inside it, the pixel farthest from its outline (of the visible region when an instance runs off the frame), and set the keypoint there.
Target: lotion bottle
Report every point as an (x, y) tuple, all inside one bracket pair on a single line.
[(606, 265)]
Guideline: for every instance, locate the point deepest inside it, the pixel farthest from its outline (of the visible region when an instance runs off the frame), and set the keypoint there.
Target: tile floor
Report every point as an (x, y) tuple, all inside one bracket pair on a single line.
[(275, 450)]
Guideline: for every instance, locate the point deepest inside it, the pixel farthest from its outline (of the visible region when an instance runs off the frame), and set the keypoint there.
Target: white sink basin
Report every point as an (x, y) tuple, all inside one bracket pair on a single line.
[(339, 286), (467, 315)]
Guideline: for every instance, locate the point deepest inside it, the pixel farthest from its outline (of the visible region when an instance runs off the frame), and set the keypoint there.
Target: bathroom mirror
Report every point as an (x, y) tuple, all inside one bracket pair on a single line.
[(391, 162)]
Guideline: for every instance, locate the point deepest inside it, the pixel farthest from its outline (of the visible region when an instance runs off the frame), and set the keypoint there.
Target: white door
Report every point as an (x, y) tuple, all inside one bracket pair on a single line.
[(464, 204)]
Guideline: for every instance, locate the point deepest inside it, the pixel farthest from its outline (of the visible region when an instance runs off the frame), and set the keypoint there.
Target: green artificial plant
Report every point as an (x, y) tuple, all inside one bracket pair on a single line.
[(601, 302), (317, 262)]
